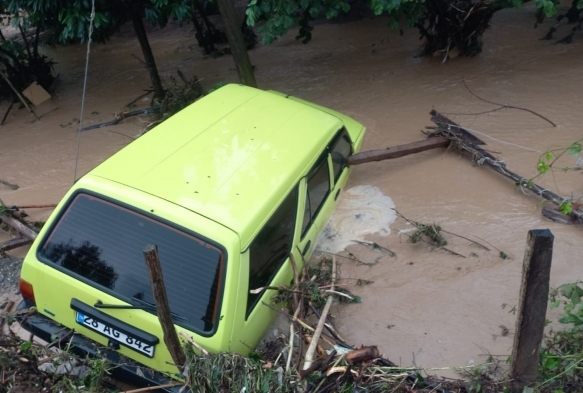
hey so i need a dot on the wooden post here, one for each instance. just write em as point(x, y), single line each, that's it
point(162, 307)
point(236, 42)
point(534, 294)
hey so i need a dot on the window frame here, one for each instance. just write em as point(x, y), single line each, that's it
point(250, 308)
point(342, 132)
point(322, 159)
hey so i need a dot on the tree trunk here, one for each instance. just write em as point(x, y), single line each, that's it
point(148, 56)
point(236, 42)
point(36, 38)
point(26, 46)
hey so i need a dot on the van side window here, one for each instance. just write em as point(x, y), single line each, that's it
point(340, 149)
point(318, 188)
point(271, 246)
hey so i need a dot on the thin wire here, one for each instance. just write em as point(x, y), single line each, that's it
point(501, 141)
point(84, 88)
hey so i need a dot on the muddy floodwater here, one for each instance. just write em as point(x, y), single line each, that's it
point(424, 307)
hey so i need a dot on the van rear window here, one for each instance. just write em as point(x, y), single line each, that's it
point(102, 242)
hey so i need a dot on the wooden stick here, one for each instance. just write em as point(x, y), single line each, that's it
point(530, 324)
point(163, 309)
point(15, 243)
point(50, 205)
point(13, 186)
point(18, 94)
point(397, 151)
point(19, 226)
point(320, 326)
point(196, 345)
point(7, 112)
point(149, 388)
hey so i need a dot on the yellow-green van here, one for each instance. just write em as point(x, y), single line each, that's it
point(226, 189)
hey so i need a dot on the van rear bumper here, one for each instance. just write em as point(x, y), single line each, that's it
point(126, 370)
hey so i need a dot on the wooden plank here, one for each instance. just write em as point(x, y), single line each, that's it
point(15, 243)
point(532, 308)
point(162, 307)
point(397, 151)
point(19, 226)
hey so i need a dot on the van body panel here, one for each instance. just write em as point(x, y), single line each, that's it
point(264, 142)
point(218, 171)
point(55, 302)
point(355, 129)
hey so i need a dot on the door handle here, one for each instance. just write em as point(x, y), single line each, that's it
point(307, 247)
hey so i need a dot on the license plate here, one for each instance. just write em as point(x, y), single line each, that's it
point(114, 334)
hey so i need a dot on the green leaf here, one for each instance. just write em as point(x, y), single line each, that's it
point(549, 156)
point(555, 304)
point(25, 345)
point(542, 167)
point(550, 9)
point(566, 207)
point(580, 4)
point(552, 363)
point(575, 148)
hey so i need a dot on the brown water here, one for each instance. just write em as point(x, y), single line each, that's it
point(442, 310)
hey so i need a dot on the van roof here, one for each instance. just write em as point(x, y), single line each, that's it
point(232, 156)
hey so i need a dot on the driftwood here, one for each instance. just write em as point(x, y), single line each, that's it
point(364, 354)
point(464, 141)
point(13, 186)
point(123, 115)
point(50, 205)
point(397, 151)
point(557, 216)
point(19, 226)
point(14, 243)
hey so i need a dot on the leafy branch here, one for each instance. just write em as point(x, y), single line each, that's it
point(547, 161)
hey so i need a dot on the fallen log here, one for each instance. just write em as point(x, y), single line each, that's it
point(463, 140)
point(14, 243)
point(557, 216)
point(19, 226)
point(398, 151)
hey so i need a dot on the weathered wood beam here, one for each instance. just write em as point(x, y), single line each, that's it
point(532, 309)
point(14, 243)
point(19, 226)
point(397, 151)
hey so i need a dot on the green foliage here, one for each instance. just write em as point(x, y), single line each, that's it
point(548, 8)
point(546, 163)
point(280, 16)
point(69, 19)
point(562, 354)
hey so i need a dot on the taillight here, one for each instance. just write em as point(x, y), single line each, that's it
point(26, 290)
